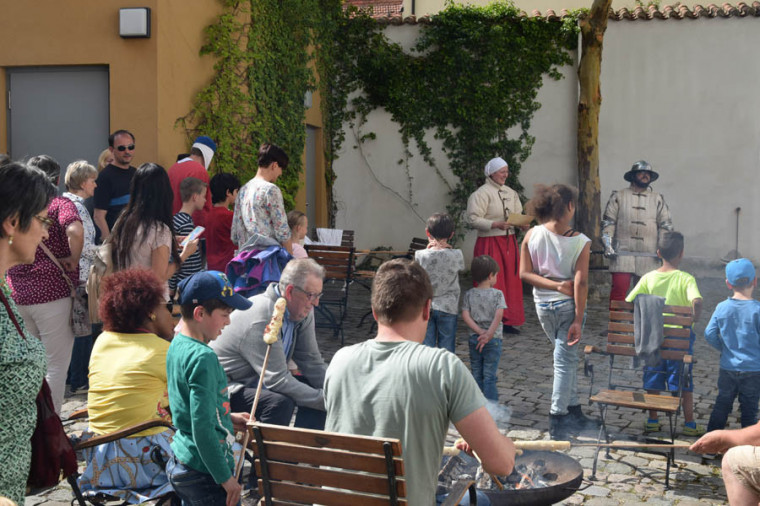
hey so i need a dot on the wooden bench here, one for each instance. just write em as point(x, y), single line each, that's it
point(338, 262)
point(301, 466)
point(625, 390)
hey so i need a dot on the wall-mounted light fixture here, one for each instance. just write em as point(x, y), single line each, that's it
point(134, 22)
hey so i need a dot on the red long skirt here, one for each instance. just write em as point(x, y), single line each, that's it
point(504, 250)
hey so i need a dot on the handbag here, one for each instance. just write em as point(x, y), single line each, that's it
point(80, 314)
point(52, 452)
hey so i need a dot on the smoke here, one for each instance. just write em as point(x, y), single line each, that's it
point(500, 413)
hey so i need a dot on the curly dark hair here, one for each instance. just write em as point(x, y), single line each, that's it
point(128, 298)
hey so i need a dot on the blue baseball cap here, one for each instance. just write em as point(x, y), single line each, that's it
point(207, 285)
point(740, 269)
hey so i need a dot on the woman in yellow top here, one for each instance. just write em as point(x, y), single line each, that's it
point(128, 386)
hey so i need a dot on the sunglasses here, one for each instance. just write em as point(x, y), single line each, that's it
point(131, 147)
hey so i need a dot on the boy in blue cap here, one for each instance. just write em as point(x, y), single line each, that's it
point(201, 470)
point(734, 330)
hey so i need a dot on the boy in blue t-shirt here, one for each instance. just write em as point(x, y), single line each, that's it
point(679, 288)
point(734, 330)
point(202, 468)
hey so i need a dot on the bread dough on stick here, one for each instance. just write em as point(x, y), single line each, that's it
point(272, 331)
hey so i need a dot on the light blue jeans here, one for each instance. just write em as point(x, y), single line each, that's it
point(556, 318)
point(441, 330)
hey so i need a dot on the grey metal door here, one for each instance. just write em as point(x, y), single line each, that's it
point(58, 111)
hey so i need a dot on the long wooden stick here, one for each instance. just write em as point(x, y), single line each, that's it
point(261, 382)
point(246, 437)
point(635, 445)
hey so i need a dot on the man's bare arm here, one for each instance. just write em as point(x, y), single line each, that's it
point(497, 452)
point(99, 217)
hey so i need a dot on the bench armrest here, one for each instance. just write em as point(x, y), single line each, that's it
point(593, 349)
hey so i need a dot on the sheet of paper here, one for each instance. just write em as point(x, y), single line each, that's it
point(519, 220)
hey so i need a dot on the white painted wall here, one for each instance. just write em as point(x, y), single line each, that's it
point(683, 96)
point(680, 94)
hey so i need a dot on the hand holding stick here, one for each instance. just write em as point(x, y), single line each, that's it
point(271, 333)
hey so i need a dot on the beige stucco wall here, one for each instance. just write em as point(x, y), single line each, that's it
point(681, 94)
point(83, 32)
point(152, 82)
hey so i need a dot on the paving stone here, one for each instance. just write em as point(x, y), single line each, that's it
point(599, 501)
point(596, 491)
point(635, 461)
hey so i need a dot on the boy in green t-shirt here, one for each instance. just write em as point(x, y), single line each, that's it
point(679, 289)
point(201, 470)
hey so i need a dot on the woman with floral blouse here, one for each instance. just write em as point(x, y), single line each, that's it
point(259, 209)
point(80, 185)
point(24, 196)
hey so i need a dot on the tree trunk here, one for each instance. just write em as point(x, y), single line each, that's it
point(589, 215)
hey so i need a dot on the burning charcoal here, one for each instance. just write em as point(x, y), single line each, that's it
point(483, 480)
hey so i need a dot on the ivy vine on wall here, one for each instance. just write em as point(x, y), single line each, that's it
point(472, 78)
point(265, 60)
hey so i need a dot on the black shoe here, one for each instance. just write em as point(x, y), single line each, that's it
point(509, 329)
point(559, 427)
point(580, 421)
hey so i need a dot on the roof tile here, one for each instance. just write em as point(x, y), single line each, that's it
point(390, 12)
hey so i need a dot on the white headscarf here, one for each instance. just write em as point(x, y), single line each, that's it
point(495, 165)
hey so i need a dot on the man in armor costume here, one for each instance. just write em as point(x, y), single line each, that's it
point(631, 226)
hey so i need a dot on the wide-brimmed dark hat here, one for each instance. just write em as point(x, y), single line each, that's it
point(639, 166)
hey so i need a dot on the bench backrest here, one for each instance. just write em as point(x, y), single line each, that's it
point(338, 261)
point(318, 467)
point(417, 244)
point(677, 328)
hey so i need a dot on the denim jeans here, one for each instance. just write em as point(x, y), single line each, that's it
point(194, 487)
point(441, 330)
point(730, 384)
point(556, 318)
point(485, 365)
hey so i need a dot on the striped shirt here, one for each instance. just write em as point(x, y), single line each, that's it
point(183, 225)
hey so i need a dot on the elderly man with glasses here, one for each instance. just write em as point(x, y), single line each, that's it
point(112, 192)
point(241, 349)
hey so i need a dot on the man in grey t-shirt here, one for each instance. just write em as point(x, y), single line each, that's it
point(393, 386)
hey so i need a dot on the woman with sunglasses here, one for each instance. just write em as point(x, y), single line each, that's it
point(128, 386)
point(24, 196)
point(42, 290)
point(488, 209)
point(143, 236)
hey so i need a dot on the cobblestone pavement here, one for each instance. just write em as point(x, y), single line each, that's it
point(525, 384)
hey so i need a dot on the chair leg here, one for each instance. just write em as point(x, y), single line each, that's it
point(602, 431)
point(72, 479)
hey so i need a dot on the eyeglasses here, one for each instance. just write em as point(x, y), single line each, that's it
point(313, 297)
point(46, 222)
point(131, 147)
point(170, 306)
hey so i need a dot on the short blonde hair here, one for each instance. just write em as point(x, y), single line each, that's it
point(77, 173)
point(102, 159)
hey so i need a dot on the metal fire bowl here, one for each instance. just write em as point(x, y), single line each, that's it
point(569, 477)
